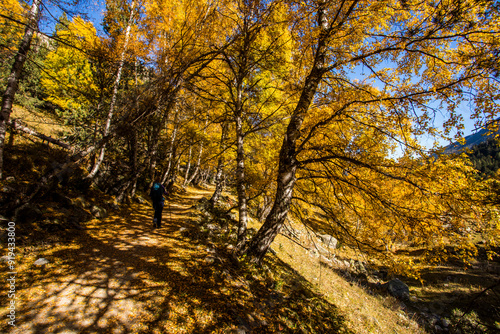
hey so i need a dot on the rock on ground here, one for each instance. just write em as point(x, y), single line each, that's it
point(41, 261)
point(398, 289)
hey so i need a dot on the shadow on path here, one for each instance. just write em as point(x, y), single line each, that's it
point(121, 276)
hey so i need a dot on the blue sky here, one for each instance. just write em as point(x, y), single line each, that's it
point(465, 109)
point(91, 10)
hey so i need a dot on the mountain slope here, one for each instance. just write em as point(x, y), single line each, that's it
point(471, 141)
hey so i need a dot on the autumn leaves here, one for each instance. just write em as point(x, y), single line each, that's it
point(267, 96)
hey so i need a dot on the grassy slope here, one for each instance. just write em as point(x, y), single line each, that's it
point(365, 311)
point(39, 121)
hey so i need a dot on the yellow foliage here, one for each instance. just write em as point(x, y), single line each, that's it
point(11, 24)
point(68, 78)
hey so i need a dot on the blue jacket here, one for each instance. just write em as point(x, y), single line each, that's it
point(156, 193)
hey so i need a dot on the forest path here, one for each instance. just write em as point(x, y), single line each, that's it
point(119, 275)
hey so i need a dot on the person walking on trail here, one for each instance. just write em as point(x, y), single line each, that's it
point(156, 193)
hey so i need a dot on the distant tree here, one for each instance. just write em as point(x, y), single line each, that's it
point(12, 24)
point(486, 157)
point(68, 76)
point(11, 31)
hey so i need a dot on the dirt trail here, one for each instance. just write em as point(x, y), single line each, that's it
point(121, 276)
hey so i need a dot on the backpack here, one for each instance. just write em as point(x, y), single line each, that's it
point(156, 192)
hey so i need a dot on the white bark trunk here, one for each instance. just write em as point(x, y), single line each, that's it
point(15, 74)
point(116, 85)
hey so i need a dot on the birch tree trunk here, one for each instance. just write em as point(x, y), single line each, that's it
point(200, 152)
point(265, 208)
point(218, 184)
point(188, 165)
point(134, 161)
point(288, 163)
point(197, 166)
point(15, 74)
point(220, 168)
point(116, 84)
point(241, 185)
point(171, 155)
point(173, 175)
point(153, 149)
point(134, 143)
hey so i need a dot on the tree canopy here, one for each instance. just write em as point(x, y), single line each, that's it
point(308, 110)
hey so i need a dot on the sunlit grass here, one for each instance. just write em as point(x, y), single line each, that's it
point(365, 312)
point(39, 121)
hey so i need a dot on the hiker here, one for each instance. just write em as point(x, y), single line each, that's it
point(156, 193)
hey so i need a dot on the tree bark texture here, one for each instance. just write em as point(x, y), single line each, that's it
point(218, 183)
point(288, 163)
point(171, 154)
point(134, 161)
point(116, 84)
point(188, 167)
point(197, 166)
point(241, 185)
point(15, 74)
point(219, 176)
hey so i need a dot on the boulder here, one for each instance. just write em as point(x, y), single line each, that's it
point(398, 289)
point(337, 263)
point(328, 240)
point(321, 250)
point(210, 259)
point(325, 259)
point(233, 216)
point(41, 262)
point(360, 268)
point(212, 227)
point(113, 205)
point(81, 202)
point(203, 204)
point(140, 199)
point(98, 212)
point(313, 252)
point(242, 330)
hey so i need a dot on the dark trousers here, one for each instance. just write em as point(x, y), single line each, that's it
point(158, 207)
